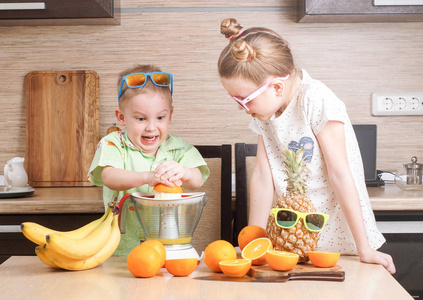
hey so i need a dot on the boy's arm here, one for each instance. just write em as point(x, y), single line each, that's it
point(261, 188)
point(122, 180)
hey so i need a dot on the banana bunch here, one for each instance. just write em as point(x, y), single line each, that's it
point(80, 249)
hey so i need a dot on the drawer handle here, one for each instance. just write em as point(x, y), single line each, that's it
point(10, 228)
point(23, 6)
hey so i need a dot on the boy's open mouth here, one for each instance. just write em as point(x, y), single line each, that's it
point(150, 139)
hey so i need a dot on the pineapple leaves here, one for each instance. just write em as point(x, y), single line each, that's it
point(296, 170)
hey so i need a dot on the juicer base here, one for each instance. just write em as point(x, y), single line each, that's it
point(172, 253)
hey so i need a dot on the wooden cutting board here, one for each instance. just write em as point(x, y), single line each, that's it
point(266, 271)
point(62, 129)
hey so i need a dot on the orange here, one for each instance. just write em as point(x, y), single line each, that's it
point(281, 260)
point(167, 189)
point(181, 266)
point(235, 267)
point(323, 259)
point(156, 244)
point(217, 251)
point(144, 261)
point(250, 233)
point(256, 251)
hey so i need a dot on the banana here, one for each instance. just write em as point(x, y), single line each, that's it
point(39, 250)
point(37, 233)
point(85, 247)
point(97, 259)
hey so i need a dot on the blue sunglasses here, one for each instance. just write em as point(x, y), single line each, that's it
point(137, 80)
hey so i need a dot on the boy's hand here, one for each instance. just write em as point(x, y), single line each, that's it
point(153, 180)
point(172, 173)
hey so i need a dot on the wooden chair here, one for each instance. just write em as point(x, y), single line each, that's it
point(219, 206)
point(243, 154)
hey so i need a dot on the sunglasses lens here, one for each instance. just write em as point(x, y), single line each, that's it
point(161, 78)
point(315, 221)
point(286, 218)
point(135, 80)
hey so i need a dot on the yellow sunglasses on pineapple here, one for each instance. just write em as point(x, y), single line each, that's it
point(288, 218)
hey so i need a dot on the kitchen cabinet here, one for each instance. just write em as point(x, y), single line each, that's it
point(344, 11)
point(403, 231)
point(53, 12)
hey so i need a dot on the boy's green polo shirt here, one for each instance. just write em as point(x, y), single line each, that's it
point(116, 150)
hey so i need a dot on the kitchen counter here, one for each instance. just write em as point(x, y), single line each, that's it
point(89, 199)
point(391, 197)
point(25, 277)
point(56, 200)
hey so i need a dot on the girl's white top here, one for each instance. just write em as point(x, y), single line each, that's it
point(311, 108)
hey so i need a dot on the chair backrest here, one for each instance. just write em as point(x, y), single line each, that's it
point(218, 207)
point(245, 155)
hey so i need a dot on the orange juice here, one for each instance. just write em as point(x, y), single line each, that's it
point(185, 240)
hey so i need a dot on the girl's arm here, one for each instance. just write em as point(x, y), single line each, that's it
point(261, 188)
point(122, 180)
point(332, 143)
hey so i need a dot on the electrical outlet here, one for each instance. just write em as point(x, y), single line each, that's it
point(384, 104)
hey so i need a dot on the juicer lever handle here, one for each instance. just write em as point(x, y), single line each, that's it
point(122, 214)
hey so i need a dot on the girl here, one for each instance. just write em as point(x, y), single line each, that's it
point(290, 110)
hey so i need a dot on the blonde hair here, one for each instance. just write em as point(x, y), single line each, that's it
point(254, 54)
point(129, 93)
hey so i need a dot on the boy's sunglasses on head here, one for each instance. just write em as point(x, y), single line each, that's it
point(137, 80)
point(257, 93)
point(288, 218)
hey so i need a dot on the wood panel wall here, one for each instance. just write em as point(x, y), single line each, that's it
point(183, 38)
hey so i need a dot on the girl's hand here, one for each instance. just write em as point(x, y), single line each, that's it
point(372, 256)
point(172, 173)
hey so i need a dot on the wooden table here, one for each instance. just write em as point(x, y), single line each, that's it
point(25, 277)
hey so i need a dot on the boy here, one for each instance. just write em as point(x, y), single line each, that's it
point(145, 154)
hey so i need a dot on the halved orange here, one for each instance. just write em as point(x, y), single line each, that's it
point(217, 251)
point(235, 267)
point(162, 188)
point(250, 233)
point(323, 259)
point(281, 260)
point(181, 266)
point(256, 250)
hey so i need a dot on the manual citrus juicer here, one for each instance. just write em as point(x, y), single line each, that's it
point(171, 221)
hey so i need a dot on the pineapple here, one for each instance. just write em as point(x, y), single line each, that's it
point(297, 239)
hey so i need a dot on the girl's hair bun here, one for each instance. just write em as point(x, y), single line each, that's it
point(242, 51)
point(230, 27)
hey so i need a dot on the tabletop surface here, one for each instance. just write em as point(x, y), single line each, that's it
point(25, 277)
